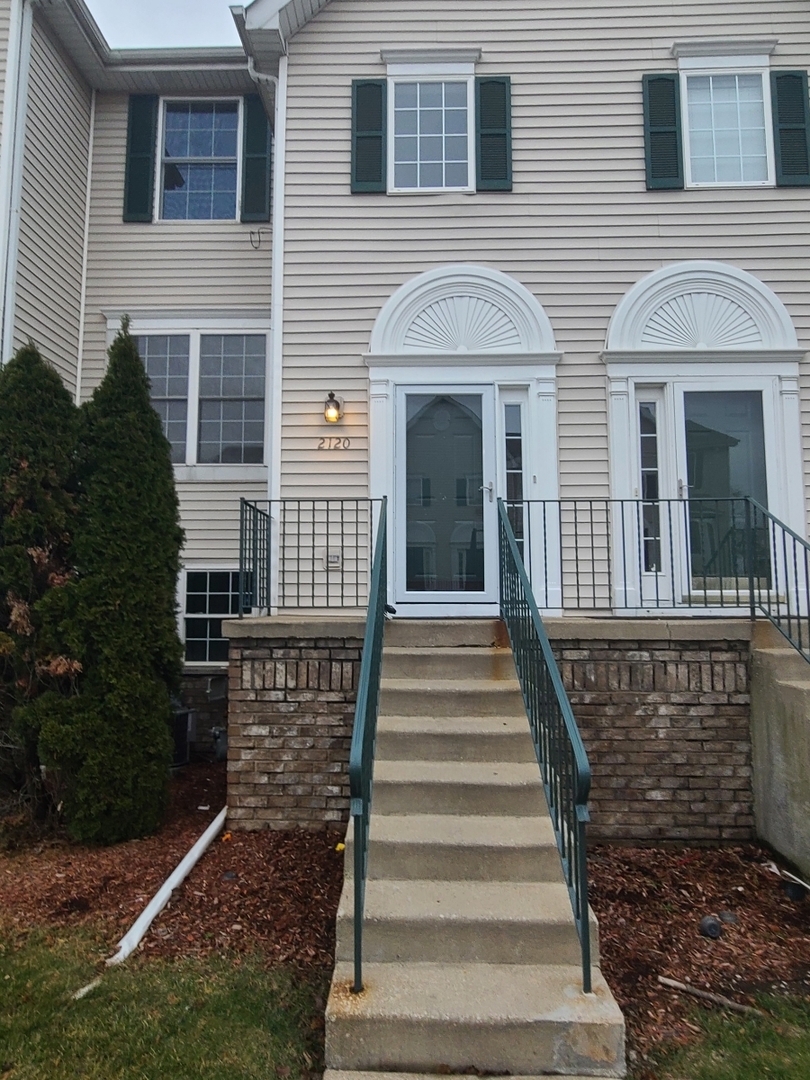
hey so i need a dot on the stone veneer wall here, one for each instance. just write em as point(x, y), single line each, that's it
point(291, 696)
point(664, 711)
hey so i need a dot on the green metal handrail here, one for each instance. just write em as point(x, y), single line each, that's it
point(364, 735)
point(558, 744)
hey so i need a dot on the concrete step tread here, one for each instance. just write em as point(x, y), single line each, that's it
point(445, 633)
point(450, 650)
point(458, 830)
point(473, 994)
point(348, 1074)
point(454, 725)
point(432, 685)
point(532, 903)
point(506, 773)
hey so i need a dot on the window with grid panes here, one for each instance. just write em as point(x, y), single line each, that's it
point(166, 359)
point(231, 426)
point(199, 163)
point(211, 596)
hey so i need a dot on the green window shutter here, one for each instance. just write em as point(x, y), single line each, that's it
point(790, 128)
point(255, 161)
point(493, 133)
point(139, 178)
point(369, 138)
point(663, 148)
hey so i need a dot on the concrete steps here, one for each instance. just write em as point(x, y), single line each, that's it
point(471, 957)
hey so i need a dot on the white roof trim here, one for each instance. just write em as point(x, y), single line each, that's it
point(724, 46)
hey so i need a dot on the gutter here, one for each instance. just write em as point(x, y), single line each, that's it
point(85, 247)
point(15, 107)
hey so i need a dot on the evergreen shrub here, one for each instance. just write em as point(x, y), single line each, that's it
point(38, 426)
point(112, 743)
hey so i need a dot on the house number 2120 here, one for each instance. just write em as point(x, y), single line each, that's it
point(334, 444)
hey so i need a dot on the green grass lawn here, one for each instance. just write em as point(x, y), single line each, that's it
point(151, 1019)
point(735, 1047)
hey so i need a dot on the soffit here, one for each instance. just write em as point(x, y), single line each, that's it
point(159, 71)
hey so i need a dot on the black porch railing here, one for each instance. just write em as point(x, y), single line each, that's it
point(306, 553)
point(622, 556)
point(364, 736)
point(558, 744)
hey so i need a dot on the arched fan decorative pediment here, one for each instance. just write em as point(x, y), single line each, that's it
point(459, 310)
point(700, 305)
point(701, 320)
point(462, 324)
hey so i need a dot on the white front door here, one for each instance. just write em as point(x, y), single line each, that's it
point(445, 512)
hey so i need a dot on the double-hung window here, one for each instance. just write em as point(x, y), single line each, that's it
point(431, 126)
point(197, 159)
point(208, 387)
point(199, 168)
point(726, 121)
point(431, 136)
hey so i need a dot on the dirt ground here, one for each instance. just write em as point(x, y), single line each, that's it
point(277, 893)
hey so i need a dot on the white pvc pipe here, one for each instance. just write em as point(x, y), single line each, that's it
point(133, 937)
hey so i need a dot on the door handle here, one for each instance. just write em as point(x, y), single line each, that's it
point(488, 487)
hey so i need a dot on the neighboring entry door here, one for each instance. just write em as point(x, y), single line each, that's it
point(445, 520)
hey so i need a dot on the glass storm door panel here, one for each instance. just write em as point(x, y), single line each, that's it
point(725, 462)
point(448, 497)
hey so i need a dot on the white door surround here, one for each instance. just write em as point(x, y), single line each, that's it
point(703, 326)
point(461, 326)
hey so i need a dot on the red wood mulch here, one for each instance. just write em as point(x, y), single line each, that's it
point(277, 893)
point(272, 891)
point(650, 902)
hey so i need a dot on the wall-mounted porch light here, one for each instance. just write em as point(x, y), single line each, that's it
point(333, 409)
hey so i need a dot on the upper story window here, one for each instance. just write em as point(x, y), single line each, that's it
point(433, 149)
point(200, 162)
point(197, 160)
point(726, 120)
point(431, 126)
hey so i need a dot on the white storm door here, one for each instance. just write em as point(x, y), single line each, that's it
point(445, 520)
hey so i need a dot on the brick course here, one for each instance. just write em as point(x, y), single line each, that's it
point(667, 728)
point(290, 715)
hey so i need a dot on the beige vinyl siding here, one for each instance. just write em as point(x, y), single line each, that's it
point(5, 25)
point(578, 230)
point(179, 267)
point(209, 514)
point(52, 209)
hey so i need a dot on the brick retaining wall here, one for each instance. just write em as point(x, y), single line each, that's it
point(290, 712)
point(667, 728)
point(665, 720)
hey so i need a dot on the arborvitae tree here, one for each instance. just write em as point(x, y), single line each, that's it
point(112, 743)
point(38, 423)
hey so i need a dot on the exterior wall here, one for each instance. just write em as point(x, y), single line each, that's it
point(578, 230)
point(290, 714)
point(666, 724)
point(52, 211)
point(780, 734)
point(5, 24)
point(171, 268)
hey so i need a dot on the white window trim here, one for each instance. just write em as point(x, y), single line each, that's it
point(194, 328)
point(462, 71)
point(754, 64)
point(157, 216)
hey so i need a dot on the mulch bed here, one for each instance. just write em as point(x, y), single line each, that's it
point(277, 893)
point(650, 902)
point(274, 892)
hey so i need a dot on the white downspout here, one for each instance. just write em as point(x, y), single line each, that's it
point(85, 246)
point(15, 102)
